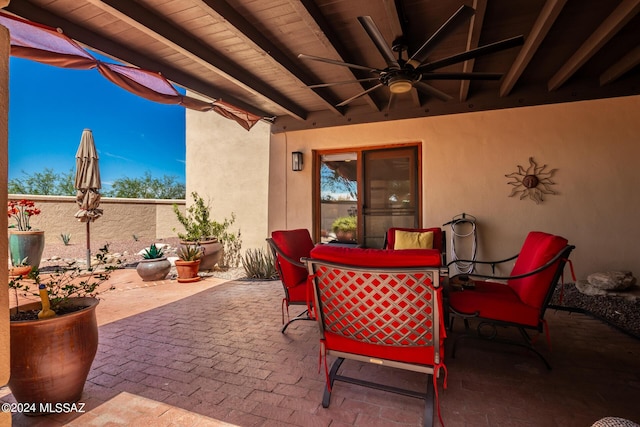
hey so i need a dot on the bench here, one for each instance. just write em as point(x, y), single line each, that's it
point(382, 307)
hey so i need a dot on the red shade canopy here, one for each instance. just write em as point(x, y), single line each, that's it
point(47, 45)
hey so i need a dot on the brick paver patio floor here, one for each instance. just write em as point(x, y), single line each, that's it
point(214, 356)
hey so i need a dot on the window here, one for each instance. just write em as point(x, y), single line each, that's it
point(361, 193)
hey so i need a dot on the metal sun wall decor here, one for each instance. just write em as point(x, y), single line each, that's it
point(532, 182)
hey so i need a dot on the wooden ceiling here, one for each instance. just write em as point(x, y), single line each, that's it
point(246, 51)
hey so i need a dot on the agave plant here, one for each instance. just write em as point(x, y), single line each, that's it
point(190, 252)
point(153, 252)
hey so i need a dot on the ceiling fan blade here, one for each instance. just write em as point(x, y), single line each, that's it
point(473, 53)
point(346, 101)
point(462, 76)
point(432, 91)
point(343, 64)
point(457, 19)
point(342, 83)
point(376, 36)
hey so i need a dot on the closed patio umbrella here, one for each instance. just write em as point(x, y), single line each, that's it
point(87, 184)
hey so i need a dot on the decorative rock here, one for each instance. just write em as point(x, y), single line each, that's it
point(612, 280)
point(586, 288)
point(630, 294)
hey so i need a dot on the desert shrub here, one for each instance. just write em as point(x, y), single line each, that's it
point(259, 264)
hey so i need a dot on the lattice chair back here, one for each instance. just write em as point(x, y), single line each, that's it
point(380, 307)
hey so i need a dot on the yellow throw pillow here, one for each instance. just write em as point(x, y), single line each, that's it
point(413, 240)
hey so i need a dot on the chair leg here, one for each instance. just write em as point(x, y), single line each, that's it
point(428, 403)
point(302, 316)
point(492, 335)
point(326, 397)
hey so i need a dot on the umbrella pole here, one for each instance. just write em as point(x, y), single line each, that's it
point(88, 248)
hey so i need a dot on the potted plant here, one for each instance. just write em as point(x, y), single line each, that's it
point(202, 230)
point(24, 242)
point(20, 269)
point(154, 265)
point(345, 228)
point(188, 264)
point(53, 342)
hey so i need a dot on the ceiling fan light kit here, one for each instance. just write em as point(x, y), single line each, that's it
point(400, 84)
point(402, 75)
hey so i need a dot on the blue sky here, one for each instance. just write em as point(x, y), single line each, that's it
point(50, 106)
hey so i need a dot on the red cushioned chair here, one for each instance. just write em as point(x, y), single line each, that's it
point(521, 301)
point(382, 307)
point(288, 247)
point(439, 239)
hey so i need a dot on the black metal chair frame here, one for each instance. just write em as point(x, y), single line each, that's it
point(562, 256)
point(305, 315)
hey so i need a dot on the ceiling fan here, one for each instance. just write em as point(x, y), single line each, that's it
point(403, 74)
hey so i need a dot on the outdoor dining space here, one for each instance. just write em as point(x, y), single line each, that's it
point(212, 353)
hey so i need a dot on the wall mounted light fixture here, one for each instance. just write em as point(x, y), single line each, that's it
point(296, 161)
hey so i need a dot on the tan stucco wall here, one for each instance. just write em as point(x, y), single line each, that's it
point(121, 220)
point(5, 418)
point(594, 145)
point(229, 166)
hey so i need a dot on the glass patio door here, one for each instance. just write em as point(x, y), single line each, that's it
point(391, 198)
point(363, 192)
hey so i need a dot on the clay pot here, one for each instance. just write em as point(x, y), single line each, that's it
point(51, 358)
point(211, 253)
point(153, 269)
point(22, 270)
point(187, 271)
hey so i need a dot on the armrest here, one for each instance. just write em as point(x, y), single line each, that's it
point(277, 250)
point(492, 263)
point(549, 263)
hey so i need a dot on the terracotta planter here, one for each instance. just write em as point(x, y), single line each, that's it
point(153, 269)
point(345, 235)
point(211, 253)
point(22, 270)
point(51, 358)
point(187, 271)
point(26, 244)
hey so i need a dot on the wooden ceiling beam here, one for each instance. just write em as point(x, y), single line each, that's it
point(609, 27)
point(250, 33)
point(160, 29)
point(318, 20)
point(546, 18)
point(473, 40)
point(114, 49)
point(626, 63)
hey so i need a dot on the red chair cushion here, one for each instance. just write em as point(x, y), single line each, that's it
point(423, 355)
point(295, 244)
point(377, 257)
point(494, 301)
point(437, 236)
point(537, 250)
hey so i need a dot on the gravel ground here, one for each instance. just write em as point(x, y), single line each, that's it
point(57, 253)
point(619, 312)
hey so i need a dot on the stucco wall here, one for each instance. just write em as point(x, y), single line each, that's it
point(594, 145)
point(5, 418)
point(229, 167)
point(122, 218)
